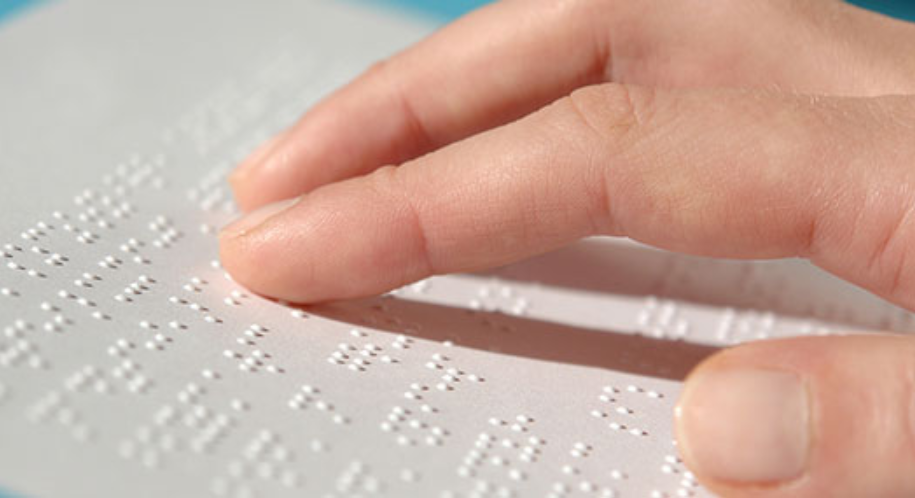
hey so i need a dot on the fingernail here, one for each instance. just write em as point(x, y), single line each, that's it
point(256, 218)
point(745, 425)
point(256, 158)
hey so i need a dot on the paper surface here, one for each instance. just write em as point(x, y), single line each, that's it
point(131, 366)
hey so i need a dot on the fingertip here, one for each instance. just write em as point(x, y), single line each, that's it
point(253, 261)
point(243, 251)
point(246, 191)
point(744, 426)
point(341, 241)
point(238, 182)
point(247, 181)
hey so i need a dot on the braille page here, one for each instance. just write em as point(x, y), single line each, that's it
point(131, 365)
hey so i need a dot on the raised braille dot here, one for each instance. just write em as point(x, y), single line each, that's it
point(569, 470)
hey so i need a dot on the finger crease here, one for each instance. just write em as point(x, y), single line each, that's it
point(412, 122)
point(418, 227)
point(881, 250)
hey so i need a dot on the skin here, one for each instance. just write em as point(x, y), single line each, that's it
point(732, 129)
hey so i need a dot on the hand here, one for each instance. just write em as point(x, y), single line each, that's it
point(731, 128)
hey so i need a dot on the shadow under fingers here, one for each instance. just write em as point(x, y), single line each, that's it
point(522, 336)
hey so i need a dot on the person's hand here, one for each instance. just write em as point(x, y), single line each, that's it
point(731, 128)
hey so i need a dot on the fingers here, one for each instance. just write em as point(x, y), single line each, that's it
point(826, 416)
point(512, 57)
point(717, 173)
point(493, 66)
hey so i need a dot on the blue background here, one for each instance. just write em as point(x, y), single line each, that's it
point(448, 9)
point(899, 8)
point(10, 7)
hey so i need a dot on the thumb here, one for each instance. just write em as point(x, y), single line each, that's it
point(824, 416)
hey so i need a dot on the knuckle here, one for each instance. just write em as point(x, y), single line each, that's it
point(616, 118)
point(888, 261)
point(612, 111)
point(868, 222)
point(908, 407)
point(384, 185)
point(390, 186)
point(379, 70)
point(385, 74)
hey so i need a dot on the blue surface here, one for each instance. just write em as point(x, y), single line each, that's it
point(904, 9)
point(8, 8)
point(442, 10)
point(450, 9)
